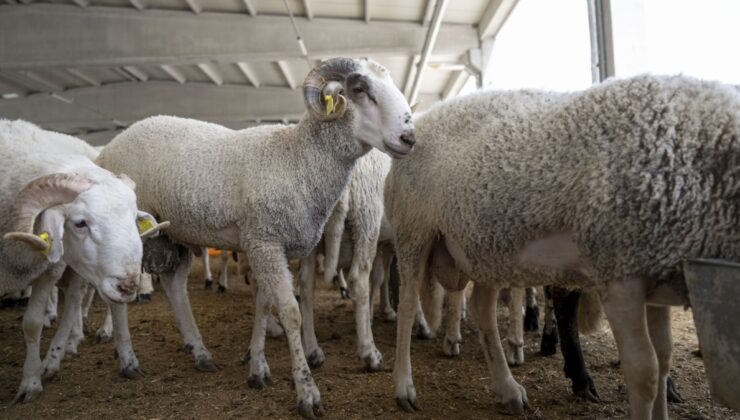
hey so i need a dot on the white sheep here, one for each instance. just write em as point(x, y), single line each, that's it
point(288, 179)
point(611, 187)
point(59, 209)
point(223, 278)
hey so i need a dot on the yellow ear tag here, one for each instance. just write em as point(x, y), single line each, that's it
point(144, 225)
point(329, 104)
point(45, 237)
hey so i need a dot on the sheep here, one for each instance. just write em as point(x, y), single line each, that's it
point(85, 219)
point(608, 188)
point(289, 179)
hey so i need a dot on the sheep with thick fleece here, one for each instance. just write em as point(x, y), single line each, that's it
point(62, 214)
point(277, 186)
point(613, 186)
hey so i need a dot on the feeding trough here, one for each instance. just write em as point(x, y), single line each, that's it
point(714, 287)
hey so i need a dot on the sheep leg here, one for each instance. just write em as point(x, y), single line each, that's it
point(453, 337)
point(259, 371)
point(207, 269)
point(566, 312)
point(310, 344)
point(223, 279)
point(146, 288)
point(659, 327)
point(515, 332)
point(532, 312)
point(389, 314)
point(50, 314)
point(423, 331)
point(70, 314)
point(359, 273)
point(75, 335)
point(333, 238)
point(33, 323)
point(127, 361)
point(625, 309)
point(270, 269)
point(548, 344)
point(508, 394)
point(87, 300)
point(105, 332)
point(175, 287)
point(376, 281)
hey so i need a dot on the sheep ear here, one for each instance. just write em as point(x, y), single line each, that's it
point(51, 228)
point(148, 226)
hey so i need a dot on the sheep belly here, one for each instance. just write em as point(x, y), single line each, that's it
point(557, 251)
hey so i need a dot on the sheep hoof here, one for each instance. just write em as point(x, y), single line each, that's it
point(209, 284)
point(49, 321)
point(344, 292)
point(373, 361)
point(548, 345)
point(424, 333)
point(672, 393)
point(29, 392)
point(131, 372)
point(514, 407)
point(408, 404)
point(451, 347)
point(514, 353)
point(316, 359)
point(206, 365)
point(309, 410)
point(102, 336)
point(50, 374)
point(532, 319)
point(588, 393)
point(145, 298)
point(221, 289)
point(259, 382)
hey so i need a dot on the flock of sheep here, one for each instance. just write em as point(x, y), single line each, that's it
point(606, 191)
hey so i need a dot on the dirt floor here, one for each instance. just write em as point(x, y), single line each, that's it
point(89, 386)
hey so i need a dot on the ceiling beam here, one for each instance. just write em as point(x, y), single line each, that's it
point(118, 36)
point(138, 4)
point(212, 72)
point(410, 75)
point(195, 6)
point(137, 73)
point(428, 12)
point(26, 1)
point(33, 80)
point(494, 17)
point(455, 83)
point(80, 74)
point(174, 73)
point(130, 102)
point(249, 73)
point(287, 74)
point(11, 1)
point(82, 3)
point(429, 41)
point(367, 11)
point(307, 8)
point(250, 8)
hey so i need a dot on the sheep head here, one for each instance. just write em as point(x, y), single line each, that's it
point(92, 226)
point(382, 116)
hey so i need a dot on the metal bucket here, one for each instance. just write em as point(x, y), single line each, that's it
point(714, 291)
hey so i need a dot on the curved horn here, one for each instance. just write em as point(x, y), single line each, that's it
point(335, 69)
point(39, 195)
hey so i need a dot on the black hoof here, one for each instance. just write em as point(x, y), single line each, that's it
point(209, 284)
point(221, 289)
point(672, 394)
point(532, 319)
point(587, 391)
point(408, 405)
point(23, 302)
point(206, 365)
point(145, 298)
point(246, 280)
point(310, 411)
point(344, 292)
point(423, 334)
point(335, 279)
point(548, 345)
point(131, 373)
point(316, 359)
point(258, 382)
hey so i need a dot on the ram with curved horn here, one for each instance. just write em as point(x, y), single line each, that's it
point(57, 210)
point(288, 179)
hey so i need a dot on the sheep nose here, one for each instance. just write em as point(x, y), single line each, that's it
point(127, 286)
point(408, 138)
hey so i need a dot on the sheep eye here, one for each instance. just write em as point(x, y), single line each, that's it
point(358, 90)
point(81, 224)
